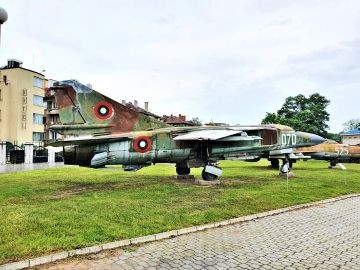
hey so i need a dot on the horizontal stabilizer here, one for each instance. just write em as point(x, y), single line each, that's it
point(60, 128)
point(89, 140)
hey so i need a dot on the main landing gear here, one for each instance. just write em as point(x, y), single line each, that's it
point(209, 173)
point(274, 163)
point(208, 176)
point(182, 170)
point(332, 164)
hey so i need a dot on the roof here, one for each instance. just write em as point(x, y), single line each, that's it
point(176, 120)
point(4, 68)
point(355, 131)
point(140, 110)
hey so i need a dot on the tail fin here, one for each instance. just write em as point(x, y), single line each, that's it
point(83, 110)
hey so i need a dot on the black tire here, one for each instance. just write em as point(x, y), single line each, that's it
point(290, 164)
point(274, 163)
point(333, 163)
point(182, 171)
point(208, 176)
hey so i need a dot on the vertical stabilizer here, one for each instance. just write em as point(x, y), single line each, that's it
point(83, 110)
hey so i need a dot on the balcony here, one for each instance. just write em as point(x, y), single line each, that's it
point(50, 123)
point(52, 111)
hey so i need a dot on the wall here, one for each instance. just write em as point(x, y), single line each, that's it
point(351, 139)
point(16, 123)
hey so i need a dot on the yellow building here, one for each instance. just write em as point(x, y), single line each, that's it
point(21, 104)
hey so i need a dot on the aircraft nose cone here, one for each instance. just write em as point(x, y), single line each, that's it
point(316, 139)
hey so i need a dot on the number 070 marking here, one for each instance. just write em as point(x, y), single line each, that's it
point(288, 139)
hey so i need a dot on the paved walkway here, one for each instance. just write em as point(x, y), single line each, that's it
point(321, 237)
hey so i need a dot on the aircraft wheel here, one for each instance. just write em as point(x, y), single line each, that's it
point(332, 163)
point(208, 176)
point(182, 171)
point(274, 163)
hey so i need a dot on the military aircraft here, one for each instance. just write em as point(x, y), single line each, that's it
point(329, 150)
point(333, 152)
point(106, 132)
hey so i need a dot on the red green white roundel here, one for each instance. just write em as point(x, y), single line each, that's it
point(142, 144)
point(103, 110)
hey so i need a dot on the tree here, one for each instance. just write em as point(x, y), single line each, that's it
point(196, 121)
point(334, 136)
point(352, 124)
point(302, 113)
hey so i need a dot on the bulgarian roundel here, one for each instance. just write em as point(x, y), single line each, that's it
point(103, 110)
point(142, 144)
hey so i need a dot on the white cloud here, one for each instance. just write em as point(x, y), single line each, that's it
point(229, 61)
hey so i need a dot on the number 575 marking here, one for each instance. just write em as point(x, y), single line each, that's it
point(342, 151)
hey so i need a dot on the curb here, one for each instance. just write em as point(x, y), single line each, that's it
point(164, 235)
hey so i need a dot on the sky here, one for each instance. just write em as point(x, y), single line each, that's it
point(222, 61)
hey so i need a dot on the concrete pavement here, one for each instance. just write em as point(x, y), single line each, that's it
point(325, 236)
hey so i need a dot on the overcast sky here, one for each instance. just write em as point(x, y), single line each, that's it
point(226, 61)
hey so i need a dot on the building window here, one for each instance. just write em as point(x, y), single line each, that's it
point(49, 105)
point(38, 101)
point(54, 119)
point(38, 136)
point(53, 135)
point(38, 82)
point(38, 118)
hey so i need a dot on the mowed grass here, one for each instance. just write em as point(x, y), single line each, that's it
point(52, 210)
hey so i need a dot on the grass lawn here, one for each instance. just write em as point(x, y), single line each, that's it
point(61, 209)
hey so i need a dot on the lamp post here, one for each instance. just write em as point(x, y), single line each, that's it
point(3, 18)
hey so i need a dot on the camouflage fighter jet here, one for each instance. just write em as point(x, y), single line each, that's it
point(329, 150)
point(106, 132)
point(333, 152)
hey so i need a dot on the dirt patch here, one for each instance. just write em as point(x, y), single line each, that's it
point(76, 189)
point(70, 189)
point(84, 262)
point(240, 181)
point(90, 261)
